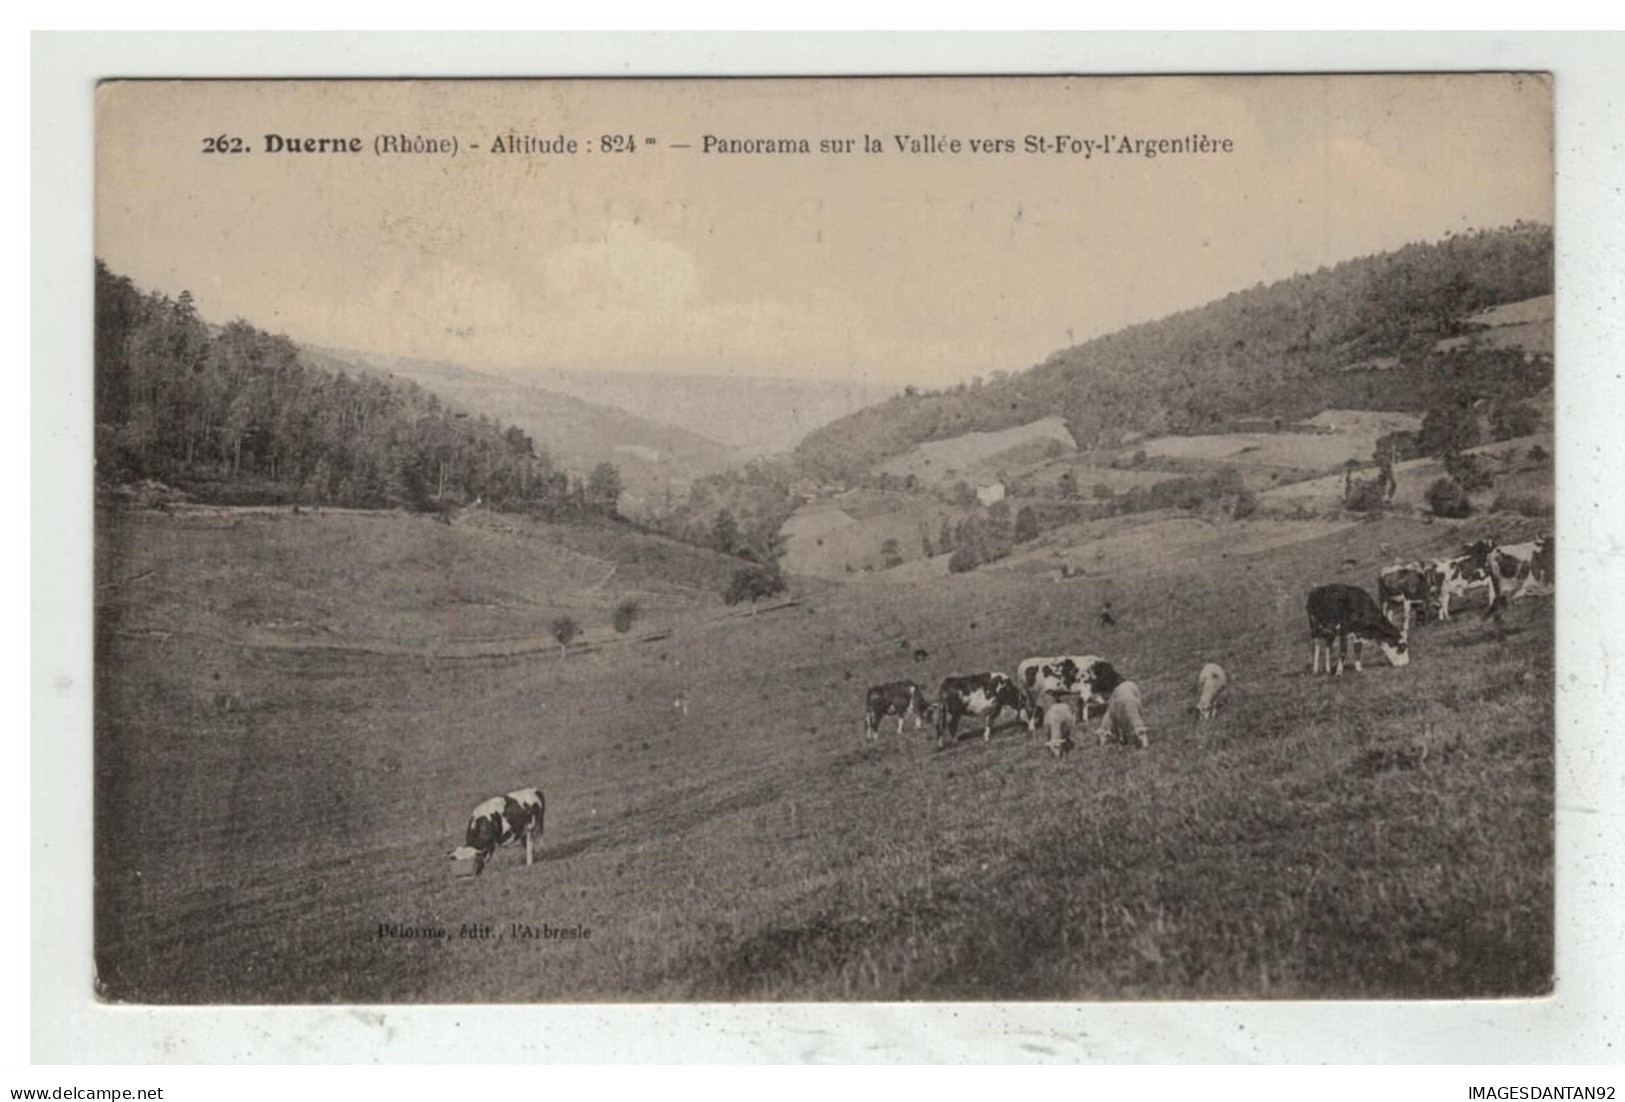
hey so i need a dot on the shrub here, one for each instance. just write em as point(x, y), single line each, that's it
point(1366, 496)
point(1447, 499)
point(626, 614)
point(962, 561)
point(1538, 454)
point(1468, 471)
point(1528, 505)
point(1246, 505)
point(1511, 419)
point(565, 629)
point(752, 583)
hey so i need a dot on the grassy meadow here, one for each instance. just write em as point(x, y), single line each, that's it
point(296, 713)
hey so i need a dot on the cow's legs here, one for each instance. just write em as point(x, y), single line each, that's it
point(1359, 649)
point(530, 847)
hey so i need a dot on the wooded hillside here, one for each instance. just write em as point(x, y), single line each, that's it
point(236, 415)
point(1278, 351)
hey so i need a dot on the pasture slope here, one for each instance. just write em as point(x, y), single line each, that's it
point(266, 804)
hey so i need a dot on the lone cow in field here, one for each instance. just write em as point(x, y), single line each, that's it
point(502, 821)
point(1338, 613)
point(1211, 683)
point(903, 699)
point(977, 694)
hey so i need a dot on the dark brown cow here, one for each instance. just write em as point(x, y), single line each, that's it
point(1338, 613)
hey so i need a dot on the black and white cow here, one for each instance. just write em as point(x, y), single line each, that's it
point(1406, 586)
point(1338, 613)
point(1065, 675)
point(1530, 567)
point(976, 694)
point(1457, 577)
point(902, 699)
point(502, 821)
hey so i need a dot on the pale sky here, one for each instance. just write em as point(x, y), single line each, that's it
point(890, 267)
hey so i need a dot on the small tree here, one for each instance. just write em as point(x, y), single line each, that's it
point(1446, 430)
point(564, 630)
point(962, 561)
point(752, 583)
point(1447, 499)
point(604, 488)
point(724, 532)
point(626, 614)
point(1246, 505)
point(891, 554)
point(1367, 496)
point(1467, 471)
point(1512, 419)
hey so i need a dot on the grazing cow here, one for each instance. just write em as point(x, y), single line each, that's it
point(977, 694)
point(1123, 718)
point(1058, 722)
point(1461, 575)
point(1530, 564)
point(895, 698)
point(1408, 584)
point(1210, 685)
point(502, 821)
point(1338, 613)
point(1066, 675)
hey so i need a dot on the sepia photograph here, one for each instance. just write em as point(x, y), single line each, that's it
point(806, 540)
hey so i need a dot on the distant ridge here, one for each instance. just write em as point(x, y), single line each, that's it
point(755, 415)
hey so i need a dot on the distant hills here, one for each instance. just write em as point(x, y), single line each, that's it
point(653, 457)
point(662, 432)
point(753, 415)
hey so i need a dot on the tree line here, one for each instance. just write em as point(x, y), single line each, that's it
point(233, 414)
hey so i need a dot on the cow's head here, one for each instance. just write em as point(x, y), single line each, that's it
point(1005, 692)
point(469, 853)
point(1102, 678)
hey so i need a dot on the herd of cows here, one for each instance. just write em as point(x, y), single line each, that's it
point(1064, 693)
